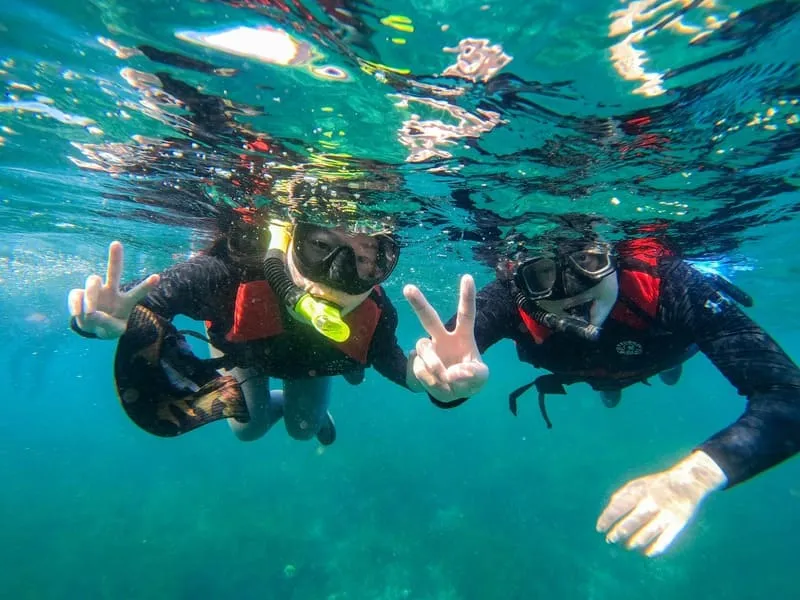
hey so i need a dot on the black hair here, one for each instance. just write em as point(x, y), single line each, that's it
point(240, 238)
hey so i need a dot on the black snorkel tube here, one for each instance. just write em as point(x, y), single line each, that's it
point(562, 324)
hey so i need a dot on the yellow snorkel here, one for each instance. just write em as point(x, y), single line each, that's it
point(323, 316)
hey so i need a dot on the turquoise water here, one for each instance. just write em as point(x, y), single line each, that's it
point(697, 141)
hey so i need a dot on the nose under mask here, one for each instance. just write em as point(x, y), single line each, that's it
point(341, 265)
point(346, 302)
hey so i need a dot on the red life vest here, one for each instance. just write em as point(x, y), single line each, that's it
point(639, 285)
point(257, 315)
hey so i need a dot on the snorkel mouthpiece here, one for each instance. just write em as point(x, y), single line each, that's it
point(564, 324)
point(571, 325)
point(323, 316)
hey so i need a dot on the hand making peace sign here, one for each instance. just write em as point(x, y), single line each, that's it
point(101, 308)
point(448, 364)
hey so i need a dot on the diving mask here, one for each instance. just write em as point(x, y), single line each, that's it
point(323, 316)
point(566, 274)
point(569, 290)
point(352, 263)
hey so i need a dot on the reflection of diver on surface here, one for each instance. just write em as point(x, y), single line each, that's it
point(349, 17)
point(221, 158)
point(167, 57)
point(749, 29)
point(349, 26)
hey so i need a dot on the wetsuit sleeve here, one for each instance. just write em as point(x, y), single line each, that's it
point(769, 430)
point(385, 354)
point(201, 288)
point(496, 316)
point(164, 388)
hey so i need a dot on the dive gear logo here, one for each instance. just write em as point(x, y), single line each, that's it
point(716, 303)
point(629, 348)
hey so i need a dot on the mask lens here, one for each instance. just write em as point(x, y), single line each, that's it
point(352, 263)
point(377, 264)
point(314, 245)
point(539, 276)
point(593, 263)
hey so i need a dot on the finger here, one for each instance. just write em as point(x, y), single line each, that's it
point(422, 374)
point(139, 292)
point(466, 304)
point(114, 272)
point(466, 385)
point(75, 302)
point(91, 294)
point(665, 540)
point(648, 533)
point(427, 354)
point(462, 371)
point(621, 503)
point(473, 373)
point(632, 522)
point(103, 326)
point(425, 312)
point(435, 387)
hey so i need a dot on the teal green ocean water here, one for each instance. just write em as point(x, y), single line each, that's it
point(668, 117)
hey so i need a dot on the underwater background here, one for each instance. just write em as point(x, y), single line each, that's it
point(468, 123)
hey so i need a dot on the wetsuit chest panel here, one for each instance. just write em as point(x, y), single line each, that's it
point(622, 352)
point(299, 352)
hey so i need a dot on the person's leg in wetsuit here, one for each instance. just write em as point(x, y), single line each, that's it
point(303, 403)
point(265, 406)
point(671, 376)
point(305, 409)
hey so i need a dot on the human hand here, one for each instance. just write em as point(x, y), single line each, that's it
point(101, 308)
point(448, 364)
point(649, 512)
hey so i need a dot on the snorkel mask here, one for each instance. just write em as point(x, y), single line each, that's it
point(570, 289)
point(352, 263)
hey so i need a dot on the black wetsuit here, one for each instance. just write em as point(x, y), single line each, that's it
point(204, 288)
point(690, 311)
point(168, 391)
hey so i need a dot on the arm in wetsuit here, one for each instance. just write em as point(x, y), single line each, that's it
point(769, 430)
point(163, 387)
point(202, 288)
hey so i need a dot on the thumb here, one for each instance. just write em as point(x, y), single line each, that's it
point(139, 292)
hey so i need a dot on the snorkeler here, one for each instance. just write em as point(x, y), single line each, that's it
point(612, 316)
point(312, 309)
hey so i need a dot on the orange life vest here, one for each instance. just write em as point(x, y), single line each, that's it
point(257, 315)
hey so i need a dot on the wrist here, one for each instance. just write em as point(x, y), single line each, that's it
point(702, 469)
point(73, 324)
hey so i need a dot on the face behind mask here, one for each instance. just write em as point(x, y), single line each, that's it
point(352, 263)
point(346, 302)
